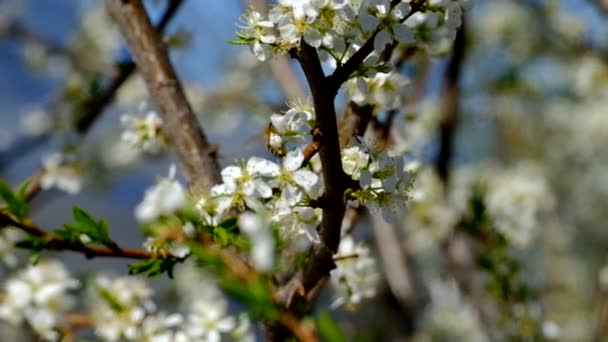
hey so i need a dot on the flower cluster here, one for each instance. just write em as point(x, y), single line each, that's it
point(123, 310)
point(145, 133)
point(62, 171)
point(383, 90)
point(516, 199)
point(355, 277)
point(39, 296)
point(340, 28)
point(285, 189)
point(384, 180)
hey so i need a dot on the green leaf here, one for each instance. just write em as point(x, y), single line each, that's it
point(32, 242)
point(328, 327)
point(153, 267)
point(230, 224)
point(97, 231)
point(16, 205)
point(22, 190)
point(109, 298)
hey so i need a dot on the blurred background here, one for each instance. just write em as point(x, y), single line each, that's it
point(523, 103)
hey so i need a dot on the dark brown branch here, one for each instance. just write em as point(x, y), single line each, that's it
point(196, 154)
point(450, 106)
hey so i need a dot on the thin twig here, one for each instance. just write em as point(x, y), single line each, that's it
point(90, 251)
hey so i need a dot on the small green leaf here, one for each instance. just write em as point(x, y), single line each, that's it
point(109, 298)
point(328, 328)
point(97, 231)
point(35, 257)
point(241, 41)
point(22, 190)
point(32, 242)
point(153, 267)
point(16, 205)
point(229, 224)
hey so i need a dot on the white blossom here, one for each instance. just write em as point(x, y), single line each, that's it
point(62, 171)
point(36, 122)
point(354, 159)
point(208, 321)
point(164, 198)
point(383, 89)
point(145, 133)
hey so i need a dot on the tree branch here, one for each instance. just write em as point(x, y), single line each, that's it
point(449, 120)
point(196, 154)
point(88, 250)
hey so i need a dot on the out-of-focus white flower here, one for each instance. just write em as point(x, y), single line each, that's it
point(516, 198)
point(38, 295)
point(551, 330)
point(145, 133)
point(160, 327)
point(8, 237)
point(119, 305)
point(164, 198)
point(449, 315)
point(430, 219)
point(62, 171)
point(35, 122)
point(243, 332)
point(355, 277)
point(119, 153)
point(258, 230)
point(208, 321)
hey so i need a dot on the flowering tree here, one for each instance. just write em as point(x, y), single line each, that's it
point(346, 227)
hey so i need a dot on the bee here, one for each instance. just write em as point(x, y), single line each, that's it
point(270, 132)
